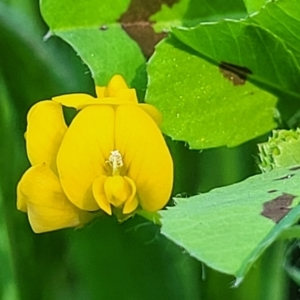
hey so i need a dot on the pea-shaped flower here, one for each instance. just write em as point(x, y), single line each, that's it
point(112, 158)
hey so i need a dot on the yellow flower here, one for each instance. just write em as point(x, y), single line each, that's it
point(112, 158)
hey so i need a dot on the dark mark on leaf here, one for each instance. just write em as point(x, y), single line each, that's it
point(135, 21)
point(272, 191)
point(295, 168)
point(236, 74)
point(277, 208)
point(103, 27)
point(285, 177)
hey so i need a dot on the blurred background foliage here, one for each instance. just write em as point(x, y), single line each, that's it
point(105, 260)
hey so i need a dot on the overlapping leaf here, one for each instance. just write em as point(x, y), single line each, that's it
point(282, 18)
point(103, 34)
point(228, 228)
point(253, 6)
point(201, 106)
point(190, 13)
point(265, 56)
point(91, 28)
point(262, 48)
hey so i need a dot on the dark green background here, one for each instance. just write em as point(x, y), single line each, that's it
point(105, 260)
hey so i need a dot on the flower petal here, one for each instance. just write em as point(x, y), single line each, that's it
point(145, 155)
point(75, 100)
point(47, 206)
point(132, 202)
point(101, 91)
point(153, 112)
point(115, 190)
point(127, 96)
point(118, 190)
point(21, 202)
point(116, 83)
point(84, 153)
point(99, 194)
point(118, 88)
point(45, 131)
point(105, 101)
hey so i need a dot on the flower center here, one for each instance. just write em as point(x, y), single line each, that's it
point(115, 192)
point(115, 161)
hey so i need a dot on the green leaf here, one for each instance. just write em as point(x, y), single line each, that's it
point(266, 56)
point(229, 227)
point(69, 14)
point(254, 5)
point(282, 18)
point(91, 28)
point(190, 13)
point(202, 107)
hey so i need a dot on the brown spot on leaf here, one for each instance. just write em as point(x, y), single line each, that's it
point(277, 208)
point(285, 177)
point(135, 21)
point(236, 74)
point(295, 168)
